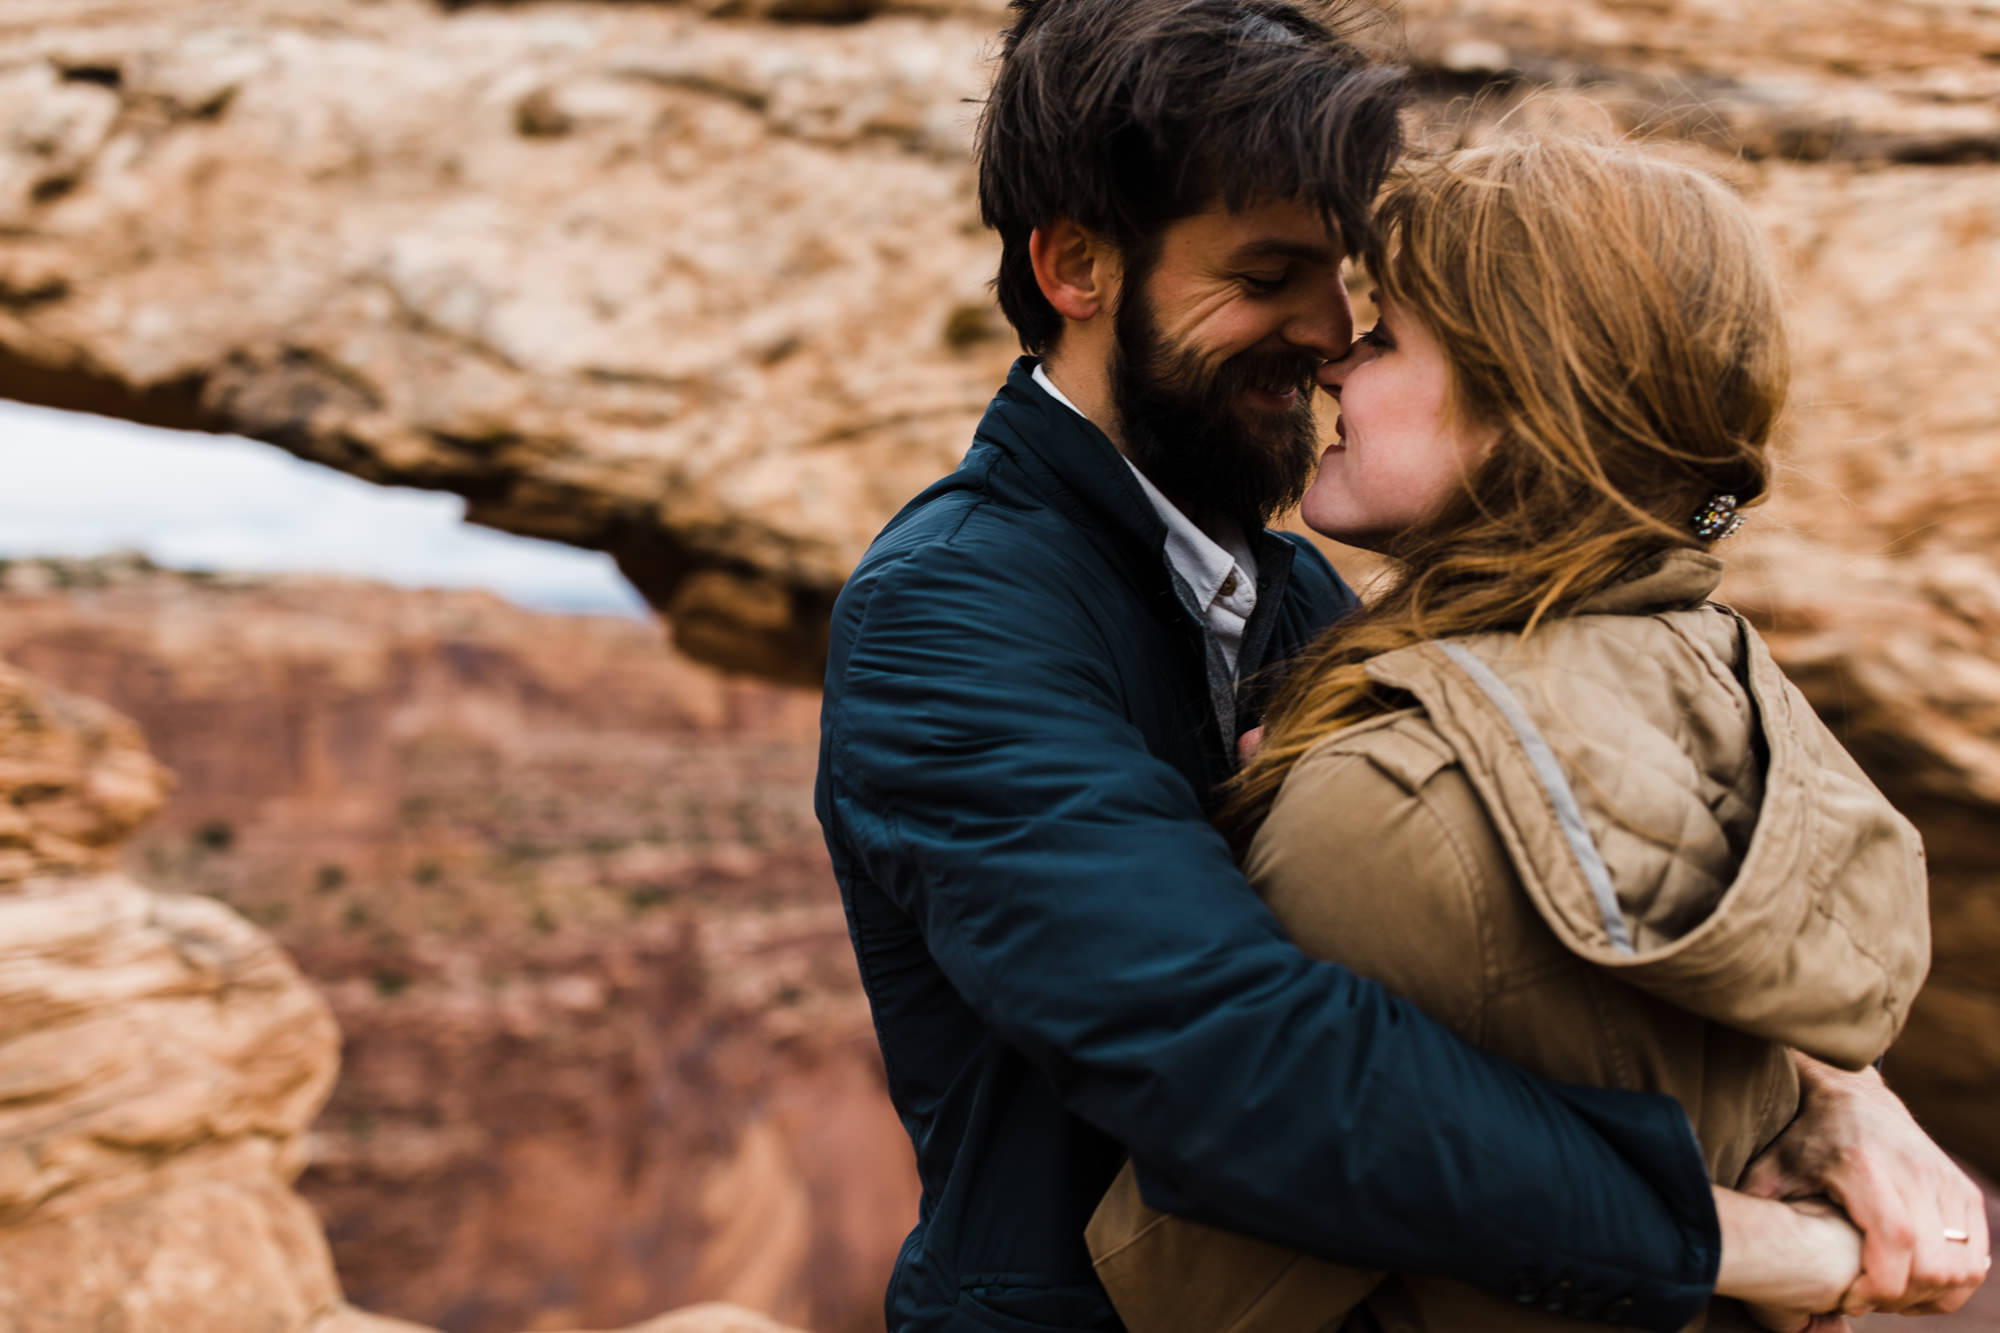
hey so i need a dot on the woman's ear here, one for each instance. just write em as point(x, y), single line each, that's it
point(1077, 271)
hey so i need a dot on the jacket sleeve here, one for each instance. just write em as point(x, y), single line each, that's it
point(1067, 882)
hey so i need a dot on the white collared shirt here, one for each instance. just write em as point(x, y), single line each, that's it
point(1219, 569)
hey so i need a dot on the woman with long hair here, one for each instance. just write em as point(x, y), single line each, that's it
point(1542, 786)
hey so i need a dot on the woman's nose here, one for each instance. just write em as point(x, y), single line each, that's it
point(1332, 374)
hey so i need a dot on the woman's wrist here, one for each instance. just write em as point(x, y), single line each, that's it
point(1798, 1256)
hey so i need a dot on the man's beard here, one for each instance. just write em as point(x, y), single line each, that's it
point(1186, 429)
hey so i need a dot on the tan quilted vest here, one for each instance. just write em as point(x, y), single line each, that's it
point(1624, 852)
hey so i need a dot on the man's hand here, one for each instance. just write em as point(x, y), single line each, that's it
point(1855, 1143)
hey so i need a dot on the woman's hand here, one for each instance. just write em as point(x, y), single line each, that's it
point(1787, 1262)
point(1248, 744)
point(1855, 1142)
point(1791, 1321)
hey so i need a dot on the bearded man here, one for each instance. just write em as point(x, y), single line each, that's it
point(1040, 673)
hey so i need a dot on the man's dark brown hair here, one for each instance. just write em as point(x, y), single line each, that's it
point(1126, 115)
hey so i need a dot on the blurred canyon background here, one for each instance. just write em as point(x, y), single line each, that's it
point(467, 955)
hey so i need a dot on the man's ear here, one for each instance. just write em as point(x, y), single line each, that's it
point(1078, 272)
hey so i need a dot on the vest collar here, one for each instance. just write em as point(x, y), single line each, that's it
point(1676, 578)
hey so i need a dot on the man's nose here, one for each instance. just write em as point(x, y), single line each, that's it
point(1324, 323)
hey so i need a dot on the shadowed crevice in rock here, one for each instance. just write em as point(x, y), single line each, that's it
point(175, 405)
point(725, 611)
point(729, 615)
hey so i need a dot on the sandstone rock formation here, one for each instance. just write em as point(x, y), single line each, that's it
point(709, 294)
point(587, 1074)
point(604, 1049)
point(607, 1123)
point(77, 779)
point(286, 696)
point(595, 305)
point(703, 286)
point(161, 1060)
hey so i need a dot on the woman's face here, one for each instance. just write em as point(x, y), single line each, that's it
point(1401, 453)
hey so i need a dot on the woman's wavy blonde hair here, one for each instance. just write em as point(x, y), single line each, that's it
point(1615, 318)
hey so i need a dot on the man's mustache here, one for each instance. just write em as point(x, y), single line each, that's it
point(1271, 372)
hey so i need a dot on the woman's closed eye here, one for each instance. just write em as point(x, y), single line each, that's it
point(1377, 338)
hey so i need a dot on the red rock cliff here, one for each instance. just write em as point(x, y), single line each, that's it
point(604, 1052)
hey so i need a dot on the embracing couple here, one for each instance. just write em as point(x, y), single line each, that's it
point(1507, 952)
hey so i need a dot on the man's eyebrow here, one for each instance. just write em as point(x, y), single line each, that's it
point(1275, 248)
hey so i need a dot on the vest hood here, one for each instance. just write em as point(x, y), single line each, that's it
point(1682, 818)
